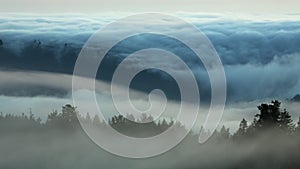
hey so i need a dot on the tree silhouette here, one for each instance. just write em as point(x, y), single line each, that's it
point(224, 133)
point(69, 116)
point(263, 151)
point(253, 127)
point(269, 114)
point(67, 119)
point(285, 121)
point(272, 117)
point(243, 126)
point(52, 118)
point(242, 131)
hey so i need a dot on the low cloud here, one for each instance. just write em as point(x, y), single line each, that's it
point(260, 55)
point(42, 104)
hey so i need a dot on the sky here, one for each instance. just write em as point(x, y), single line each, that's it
point(97, 6)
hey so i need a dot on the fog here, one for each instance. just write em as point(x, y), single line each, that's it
point(59, 149)
point(261, 59)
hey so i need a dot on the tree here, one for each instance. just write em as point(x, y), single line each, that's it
point(224, 133)
point(1, 43)
point(269, 114)
point(241, 132)
point(66, 119)
point(285, 121)
point(69, 114)
point(243, 126)
point(53, 119)
point(252, 129)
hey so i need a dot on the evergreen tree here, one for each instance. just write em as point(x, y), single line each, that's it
point(53, 119)
point(243, 126)
point(269, 114)
point(224, 133)
point(69, 114)
point(241, 132)
point(285, 121)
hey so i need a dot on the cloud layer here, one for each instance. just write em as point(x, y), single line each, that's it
point(260, 56)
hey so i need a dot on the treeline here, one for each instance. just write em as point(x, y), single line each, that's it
point(270, 117)
point(271, 140)
point(68, 120)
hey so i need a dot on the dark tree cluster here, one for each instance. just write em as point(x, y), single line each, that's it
point(60, 138)
point(270, 117)
point(142, 127)
point(68, 120)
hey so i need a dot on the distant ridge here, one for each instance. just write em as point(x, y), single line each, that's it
point(296, 98)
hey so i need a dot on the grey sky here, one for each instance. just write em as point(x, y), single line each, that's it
point(96, 6)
